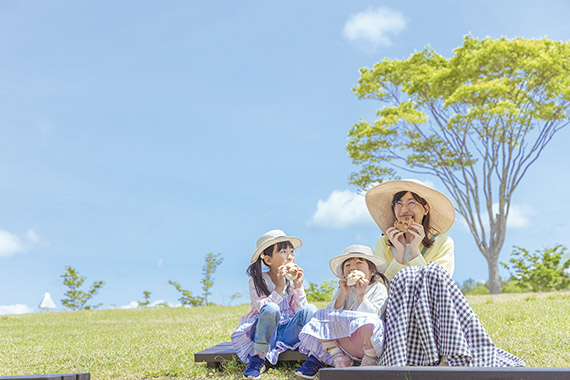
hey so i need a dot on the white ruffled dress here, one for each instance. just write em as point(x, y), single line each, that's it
point(332, 324)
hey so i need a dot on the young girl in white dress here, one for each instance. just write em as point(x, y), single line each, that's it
point(350, 328)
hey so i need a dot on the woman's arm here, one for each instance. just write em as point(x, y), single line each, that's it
point(442, 252)
point(383, 250)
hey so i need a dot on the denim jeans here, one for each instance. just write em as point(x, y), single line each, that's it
point(267, 330)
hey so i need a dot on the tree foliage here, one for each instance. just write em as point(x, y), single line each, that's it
point(540, 271)
point(186, 297)
point(77, 298)
point(323, 292)
point(477, 121)
point(211, 263)
point(146, 297)
point(473, 287)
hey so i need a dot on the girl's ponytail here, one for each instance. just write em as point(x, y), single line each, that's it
point(378, 276)
point(254, 271)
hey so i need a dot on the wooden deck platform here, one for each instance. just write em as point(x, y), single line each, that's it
point(214, 356)
point(445, 373)
point(63, 376)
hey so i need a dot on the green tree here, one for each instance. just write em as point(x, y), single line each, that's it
point(146, 297)
point(540, 271)
point(77, 298)
point(211, 263)
point(468, 285)
point(477, 121)
point(186, 298)
point(323, 292)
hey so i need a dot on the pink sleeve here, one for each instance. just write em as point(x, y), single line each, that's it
point(257, 301)
point(298, 300)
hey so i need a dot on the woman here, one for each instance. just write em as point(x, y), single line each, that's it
point(428, 320)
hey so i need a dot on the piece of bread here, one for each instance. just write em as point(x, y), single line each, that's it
point(292, 271)
point(353, 277)
point(403, 223)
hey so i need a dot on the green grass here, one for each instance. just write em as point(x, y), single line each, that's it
point(159, 343)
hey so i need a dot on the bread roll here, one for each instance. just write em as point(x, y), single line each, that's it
point(353, 277)
point(403, 223)
point(292, 271)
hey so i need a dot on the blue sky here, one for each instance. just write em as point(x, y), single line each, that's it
point(136, 137)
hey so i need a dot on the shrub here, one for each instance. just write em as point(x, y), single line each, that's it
point(479, 290)
point(324, 292)
point(540, 271)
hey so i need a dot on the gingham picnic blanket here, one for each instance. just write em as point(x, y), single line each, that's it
point(427, 316)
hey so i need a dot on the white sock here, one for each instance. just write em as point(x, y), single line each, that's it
point(370, 352)
point(333, 350)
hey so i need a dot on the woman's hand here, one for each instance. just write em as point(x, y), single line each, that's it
point(360, 288)
point(398, 241)
point(417, 233)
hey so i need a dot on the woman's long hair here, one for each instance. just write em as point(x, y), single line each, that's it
point(255, 271)
point(425, 221)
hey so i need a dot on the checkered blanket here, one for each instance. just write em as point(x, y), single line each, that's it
point(427, 316)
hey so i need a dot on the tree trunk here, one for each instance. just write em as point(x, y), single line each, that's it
point(494, 280)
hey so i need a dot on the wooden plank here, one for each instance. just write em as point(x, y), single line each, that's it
point(64, 376)
point(225, 351)
point(445, 373)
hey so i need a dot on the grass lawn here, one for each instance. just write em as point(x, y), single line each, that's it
point(159, 343)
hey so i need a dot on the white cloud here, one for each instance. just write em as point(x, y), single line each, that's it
point(15, 309)
point(374, 26)
point(135, 304)
point(32, 237)
point(11, 244)
point(130, 305)
point(341, 210)
point(519, 216)
point(160, 262)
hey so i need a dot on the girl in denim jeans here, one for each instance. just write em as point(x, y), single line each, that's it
point(279, 307)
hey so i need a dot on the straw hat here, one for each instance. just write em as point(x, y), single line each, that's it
point(379, 199)
point(273, 237)
point(356, 251)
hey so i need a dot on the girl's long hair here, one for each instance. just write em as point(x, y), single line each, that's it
point(425, 222)
point(255, 271)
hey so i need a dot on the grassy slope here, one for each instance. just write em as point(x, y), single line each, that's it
point(160, 343)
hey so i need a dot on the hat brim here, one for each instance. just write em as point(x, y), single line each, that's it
point(379, 199)
point(294, 240)
point(336, 262)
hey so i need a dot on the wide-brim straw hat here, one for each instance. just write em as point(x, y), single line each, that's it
point(356, 251)
point(379, 203)
point(273, 237)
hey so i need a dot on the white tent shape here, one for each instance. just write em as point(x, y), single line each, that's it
point(47, 303)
